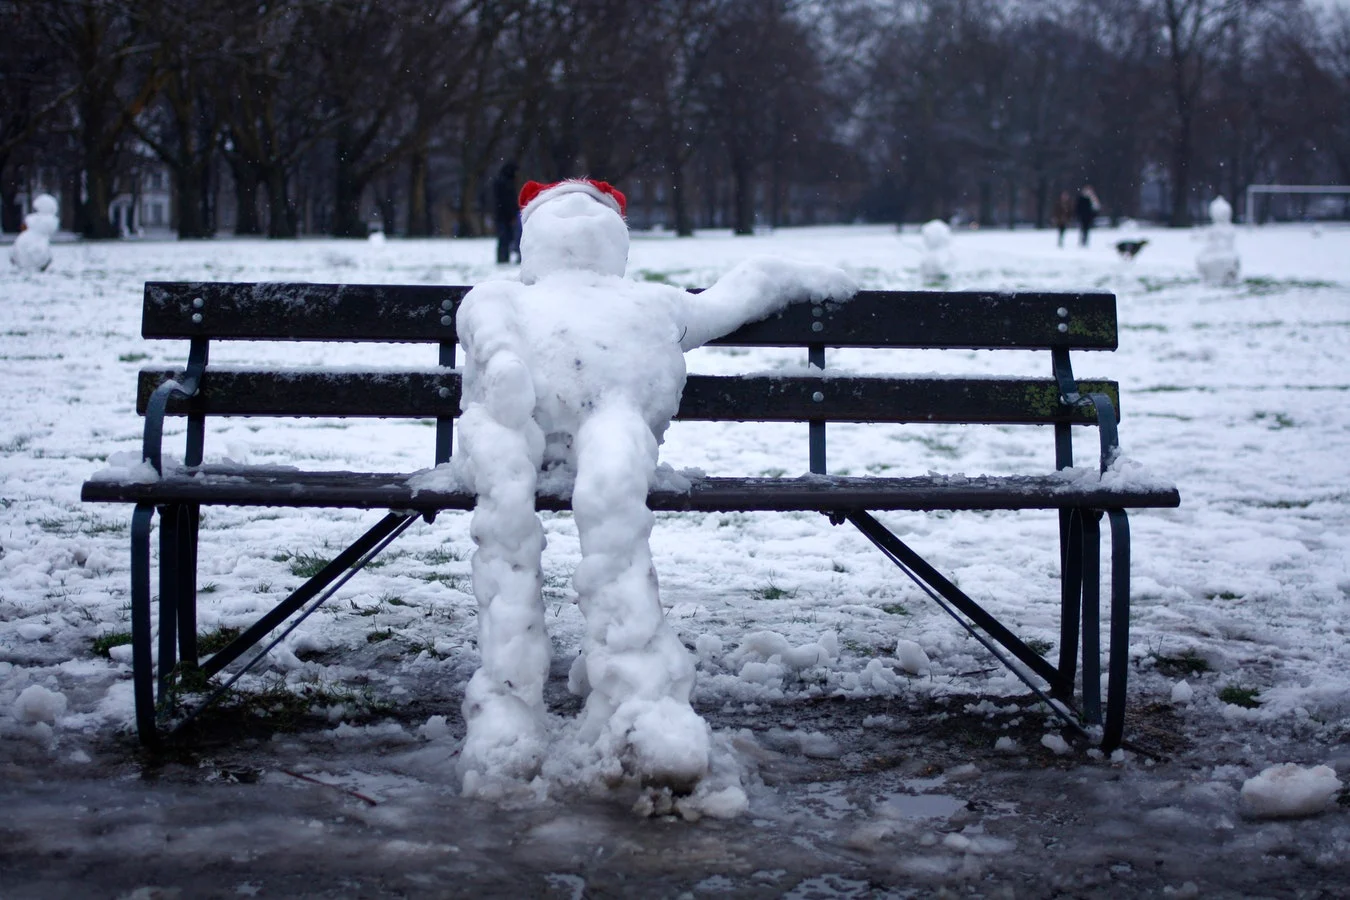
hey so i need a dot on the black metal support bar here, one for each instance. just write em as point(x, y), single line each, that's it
point(1118, 667)
point(386, 538)
point(1092, 640)
point(303, 594)
point(815, 357)
point(899, 550)
point(142, 662)
point(445, 425)
point(889, 544)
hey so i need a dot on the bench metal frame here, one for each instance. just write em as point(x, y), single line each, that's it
point(401, 313)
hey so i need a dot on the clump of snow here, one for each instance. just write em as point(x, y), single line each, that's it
point(1006, 744)
point(38, 704)
point(1289, 791)
point(128, 467)
point(912, 657)
point(1055, 744)
point(1218, 260)
point(936, 263)
point(32, 249)
point(1182, 693)
point(575, 373)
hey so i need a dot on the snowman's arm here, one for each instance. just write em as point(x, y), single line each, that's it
point(755, 289)
point(495, 371)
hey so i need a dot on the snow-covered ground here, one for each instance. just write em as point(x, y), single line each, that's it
point(1238, 395)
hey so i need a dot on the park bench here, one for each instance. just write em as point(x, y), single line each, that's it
point(201, 313)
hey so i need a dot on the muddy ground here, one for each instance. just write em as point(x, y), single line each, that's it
point(886, 798)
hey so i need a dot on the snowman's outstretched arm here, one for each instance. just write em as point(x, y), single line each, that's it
point(754, 289)
point(495, 374)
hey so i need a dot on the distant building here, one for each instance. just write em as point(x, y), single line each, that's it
point(143, 205)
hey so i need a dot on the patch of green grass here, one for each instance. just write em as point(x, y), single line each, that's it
point(14, 445)
point(1039, 646)
point(1188, 663)
point(772, 591)
point(1261, 286)
point(1240, 696)
point(216, 639)
point(383, 634)
point(209, 588)
point(454, 582)
point(263, 587)
point(303, 565)
point(440, 556)
point(133, 357)
point(894, 609)
point(104, 643)
point(1277, 421)
point(1225, 595)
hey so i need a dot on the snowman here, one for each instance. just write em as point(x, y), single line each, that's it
point(32, 249)
point(1218, 259)
point(572, 376)
point(936, 263)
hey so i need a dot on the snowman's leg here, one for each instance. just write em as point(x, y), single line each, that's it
point(503, 704)
point(640, 675)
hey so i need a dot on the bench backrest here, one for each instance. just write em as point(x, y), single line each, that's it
point(1058, 322)
point(425, 314)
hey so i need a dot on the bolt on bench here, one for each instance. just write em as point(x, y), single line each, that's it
point(1058, 322)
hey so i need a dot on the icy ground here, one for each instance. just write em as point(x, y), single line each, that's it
point(865, 781)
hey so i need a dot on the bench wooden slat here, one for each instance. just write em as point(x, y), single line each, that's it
point(266, 486)
point(420, 313)
point(772, 398)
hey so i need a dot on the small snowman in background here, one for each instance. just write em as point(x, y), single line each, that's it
point(32, 250)
point(1218, 260)
point(936, 264)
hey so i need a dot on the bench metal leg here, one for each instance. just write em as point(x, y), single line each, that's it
point(1070, 599)
point(170, 562)
point(1092, 642)
point(142, 664)
point(189, 528)
point(1118, 668)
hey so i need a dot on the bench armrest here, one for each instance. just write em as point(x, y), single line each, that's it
point(187, 386)
point(1106, 425)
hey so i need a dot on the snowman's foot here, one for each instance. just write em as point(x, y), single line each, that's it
point(667, 744)
point(506, 741)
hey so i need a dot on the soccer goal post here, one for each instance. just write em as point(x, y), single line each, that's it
point(1249, 210)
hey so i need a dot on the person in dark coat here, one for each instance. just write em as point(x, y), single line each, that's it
point(1087, 208)
point(506, 212)
point(1062, 214)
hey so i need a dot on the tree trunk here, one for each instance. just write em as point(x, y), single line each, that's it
point(1181, 174)
point(281, 214)
point(743, 197)
point(93, 213)
point(419, 200)
point(349, 186)
point(679, 208)
point(188, 183)
point(246, 182)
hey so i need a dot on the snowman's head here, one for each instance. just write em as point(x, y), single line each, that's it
point(45, 204)
point(574, 225)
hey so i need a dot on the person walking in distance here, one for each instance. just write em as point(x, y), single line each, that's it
point(1062, 214)
point(506, 213)
point(1087, 208)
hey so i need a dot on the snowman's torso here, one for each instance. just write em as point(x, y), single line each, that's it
point(594, 339)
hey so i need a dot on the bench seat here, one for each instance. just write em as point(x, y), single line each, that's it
point(220, 485)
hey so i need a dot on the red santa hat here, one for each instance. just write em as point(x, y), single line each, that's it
point(533, 194)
